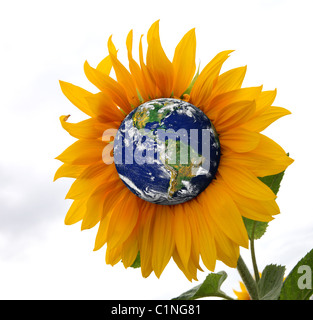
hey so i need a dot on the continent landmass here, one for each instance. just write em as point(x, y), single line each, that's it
point(150, 115)
point(180, 173)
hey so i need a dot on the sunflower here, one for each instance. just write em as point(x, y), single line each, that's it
point(243, 294)
point(206, 228)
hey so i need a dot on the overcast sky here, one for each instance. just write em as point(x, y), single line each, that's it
point(43, 42)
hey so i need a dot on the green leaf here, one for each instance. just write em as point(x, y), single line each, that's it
point(273, 181)
point(136, 263)
point(271, 282)
point(209, 288)
point(260, 228)
point(298, 284)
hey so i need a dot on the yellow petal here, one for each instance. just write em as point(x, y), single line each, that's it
point(130, 249)
point(265, 100)
point(129, 44)
point(123, 221)
point(69, 171)
point(230, 80)
point(243, 294)
point(124, 78)
point(251, 208)
point(254, 210)
point(105, 65)
point(202, 88)
point(163, 240)
point(114, 196)
point(83, 152)
point(87, 129)
point(134, 68)
point(271, 207)
point(261, 122)
point(224, 212)
point(94, 208)
point(148, 79)
point(113, 255)
point(77, 96)
point(101, 237)
point(245, 183)
point(193, 268)
point(205, 234)
point(158, 63)
point(269, 148)
point(194, 229)
point(99, 169)
point(260, 165)
point(90, 179)
point(239, 140)
point(226, 250)
point(234, 115)
point(104, 107)
point(184, 63)
point(109, 86)
point(190, 275)
point(221, 101)
point(76, 212)
point(145, 235)
point(182, 234)
point(153, 31)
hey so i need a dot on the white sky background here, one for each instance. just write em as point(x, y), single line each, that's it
point(44, 41)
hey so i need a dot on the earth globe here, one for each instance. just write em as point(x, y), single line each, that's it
point(166, 151)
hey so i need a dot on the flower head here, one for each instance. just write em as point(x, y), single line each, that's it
point(208, 226)
point(243, 294)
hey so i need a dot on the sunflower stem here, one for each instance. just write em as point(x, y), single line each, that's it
point(253, 257)
point(247, 279)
